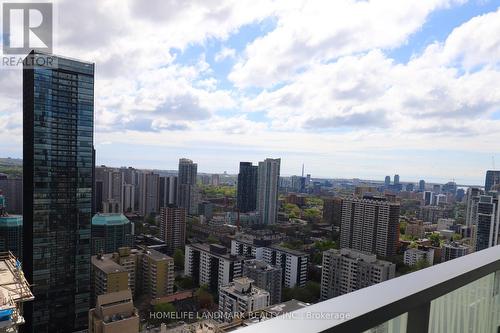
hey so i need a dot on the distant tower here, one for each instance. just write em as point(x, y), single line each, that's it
point(492, 178)
point(267, 190)
point(302, 169)
point(247, 187)
point(421, 185)
point(387, 180)
point(396, 179)
point(186, 185)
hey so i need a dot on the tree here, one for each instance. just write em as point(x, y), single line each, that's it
point(212, 240)
point(165, 309)
point(309, 293)
point(435, 239)
point(205, 298)
point(402, 228)
point(421, 264)
point(185, 282)
point(179, 258)
point(312, 214)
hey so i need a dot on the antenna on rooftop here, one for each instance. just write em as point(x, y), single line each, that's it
point(493, 161)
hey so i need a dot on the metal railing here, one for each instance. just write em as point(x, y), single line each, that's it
point(370, 307)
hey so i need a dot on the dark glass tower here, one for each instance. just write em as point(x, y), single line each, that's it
point(247, 187)
point(186, 185)
point(58, 107)
point(492, 178)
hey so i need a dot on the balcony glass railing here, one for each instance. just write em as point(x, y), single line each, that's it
point(458, 296)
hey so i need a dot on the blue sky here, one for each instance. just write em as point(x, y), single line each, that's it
point(350, 88)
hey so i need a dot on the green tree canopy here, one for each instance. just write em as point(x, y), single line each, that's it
point(179, 258)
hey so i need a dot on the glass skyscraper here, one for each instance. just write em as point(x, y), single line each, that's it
point(58, 169)
point(247, 187)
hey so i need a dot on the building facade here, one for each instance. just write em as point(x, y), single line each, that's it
point(173, 227)
point(110, 232)
point(186, 185)
point(370, 225)
point(347, 270)
point(114, 313)
point(211, 265)
point(107, 277)
point(58, 108)
point(492, 178)
point(157, 274)
point(488, 222)
point(267, 190)
point(247, 187)
point(241, 297)
point(413, 256)
point(266, 277)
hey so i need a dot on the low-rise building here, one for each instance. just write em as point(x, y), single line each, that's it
point(114, 313)
point(265, 276)
point(413, 255)
point(241, 297)
point(455, 250)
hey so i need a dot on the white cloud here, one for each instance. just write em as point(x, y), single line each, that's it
point(225, 53)
point(308, 32)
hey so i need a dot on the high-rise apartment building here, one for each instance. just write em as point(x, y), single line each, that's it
point(128, 198)
point(114, 313)
point(110, 232)
point(332, 211)
point(247, 187)
point(428, 198)
point(266, 277)
point(168, 191)
point(107, 276)
point(347, 270)
point(173, 227)
point(211, 265)
point(241, 297)
point(472, 199)
point(370, 225)
point(58, 108)
point(492, 178)
point(488, 222)
point(157, 274)
point(293, 263)
point(148, 193)
point(267, 190)
point(186, 185)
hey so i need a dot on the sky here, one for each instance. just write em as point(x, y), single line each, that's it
point(349, 88)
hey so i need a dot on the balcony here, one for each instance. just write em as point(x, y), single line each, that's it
point(458, 296)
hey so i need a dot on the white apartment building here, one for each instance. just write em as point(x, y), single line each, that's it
point(241, 297)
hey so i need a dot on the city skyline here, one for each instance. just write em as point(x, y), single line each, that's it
point(216, 96)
